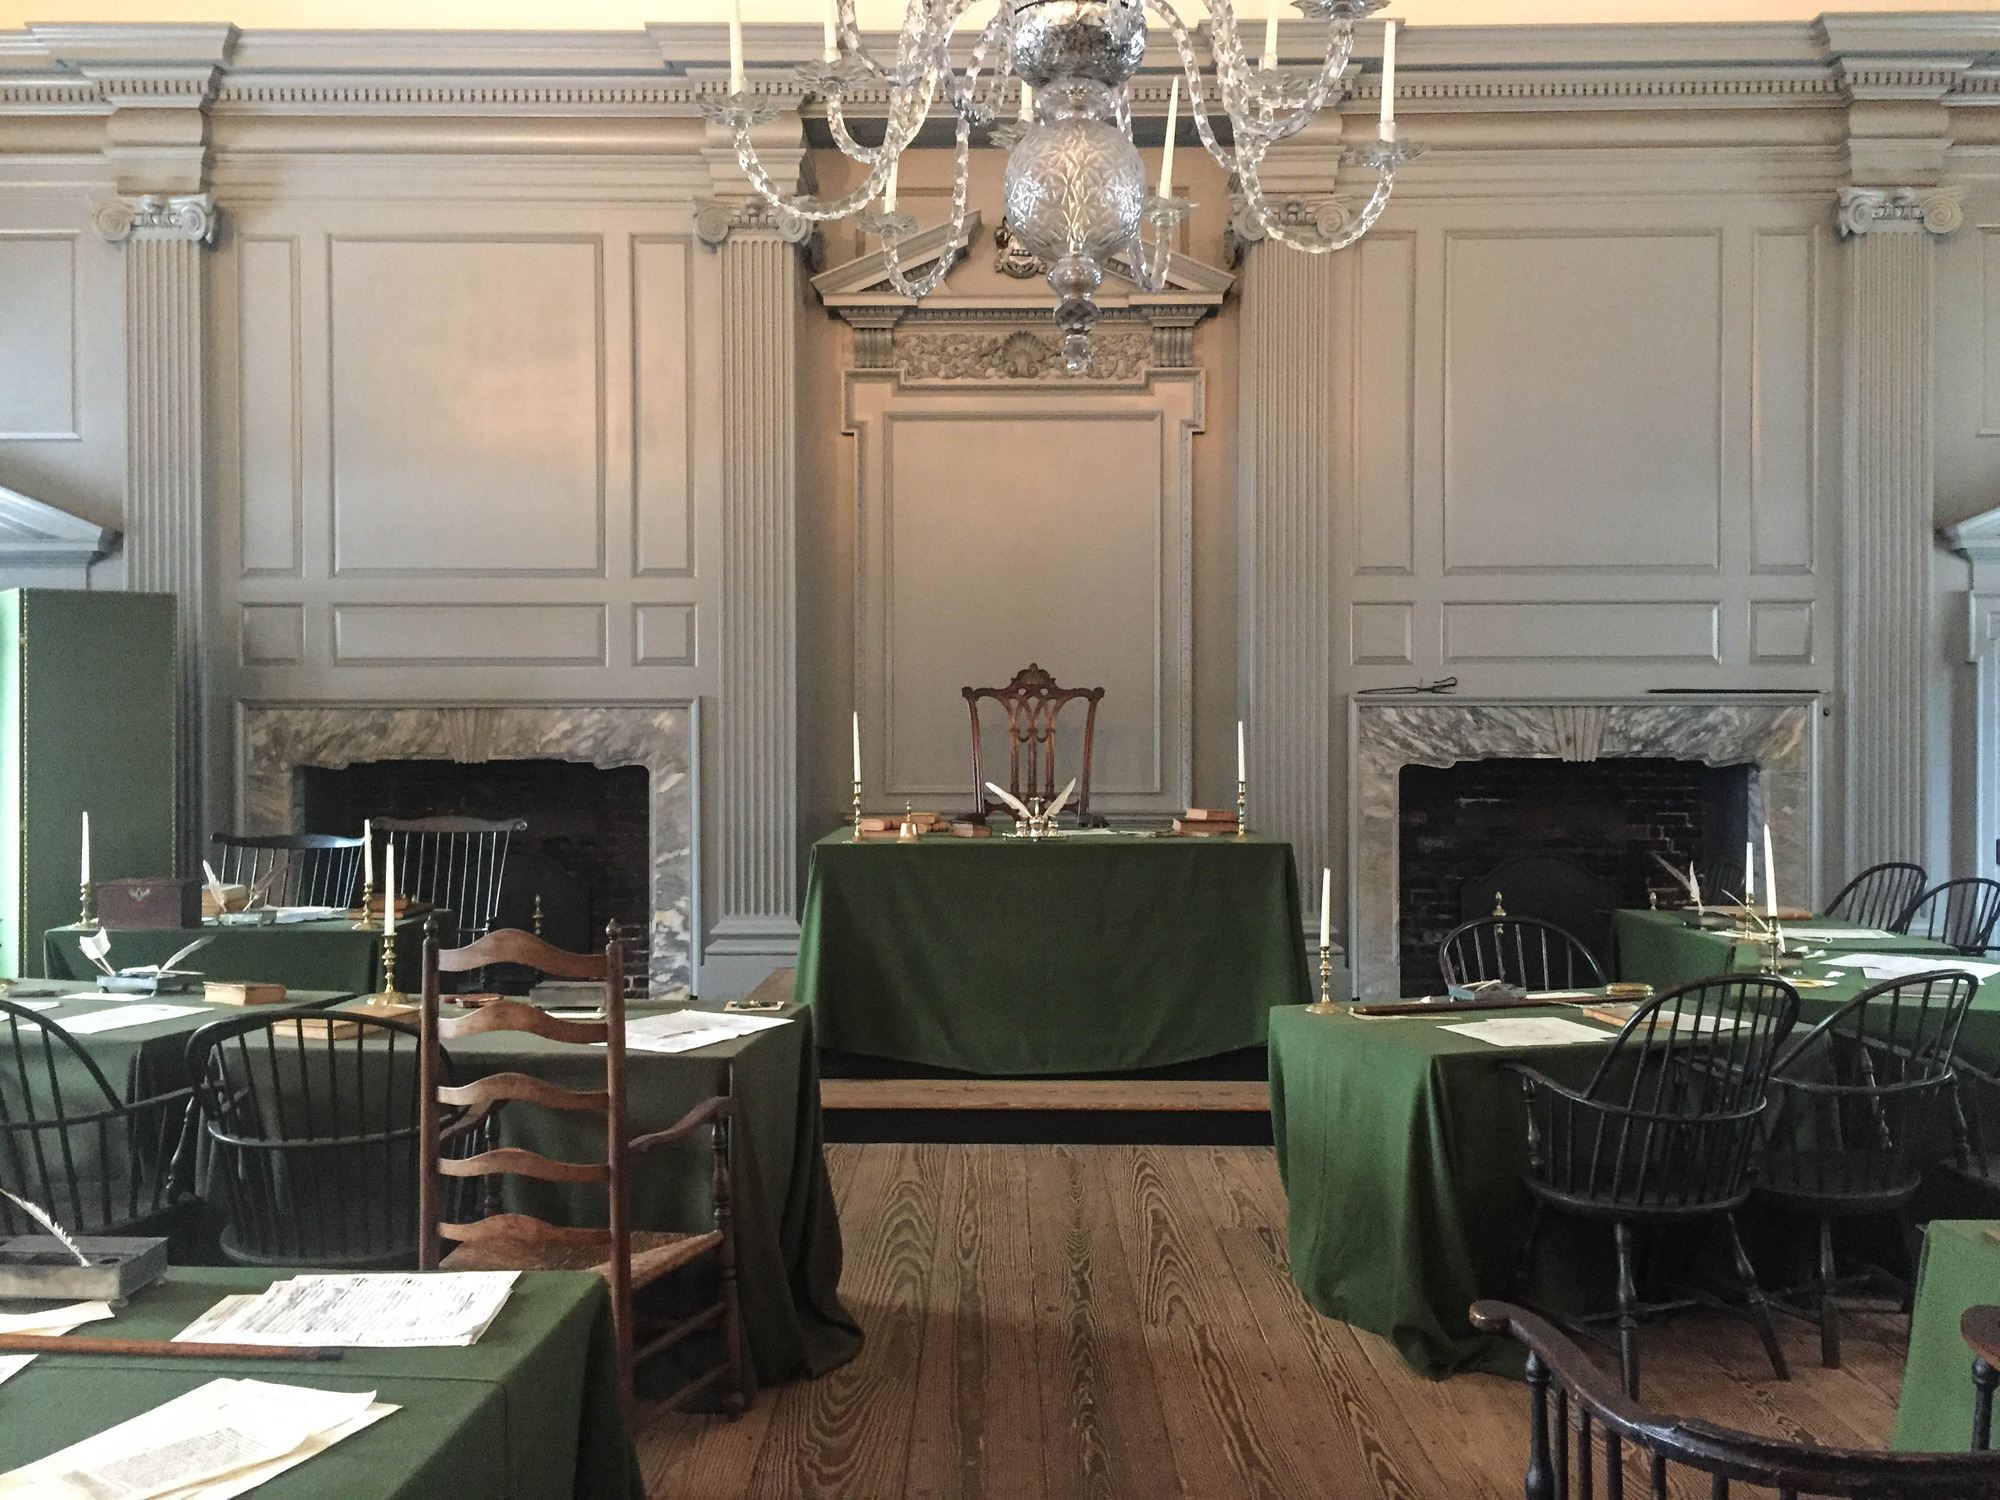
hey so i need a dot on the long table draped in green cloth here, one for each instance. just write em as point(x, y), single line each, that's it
point(788, 1247)
point(331, 955)
point(530, 1412)
point(1092, 952)
point(1960, 1269)
point(1401, 1146)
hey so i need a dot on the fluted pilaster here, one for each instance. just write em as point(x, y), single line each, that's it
point(1287, 491)
point(163, 470)
point(1888, 518)
point(756, 816)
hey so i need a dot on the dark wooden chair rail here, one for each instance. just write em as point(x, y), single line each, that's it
point(1580, 1425)
point(1880, 894)
point(1534, 954)
point(1033, 703)
point(464, 1147)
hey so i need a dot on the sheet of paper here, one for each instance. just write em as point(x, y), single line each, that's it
point(369, 1310)
point(1896, 965)
point(1839, 934)
point(245, 1480)
point(140, 1014)
point(306, 913)
point(33, 1004)
point(55, 1320)
point(213, 1433)
point(1529, 1031)
point(12, 1365)
point(685, 1030)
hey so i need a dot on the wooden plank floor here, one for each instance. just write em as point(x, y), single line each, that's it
point(1238, 1096)
point(1116, 1323)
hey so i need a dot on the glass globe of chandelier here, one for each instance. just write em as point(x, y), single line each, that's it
point(1075, 191)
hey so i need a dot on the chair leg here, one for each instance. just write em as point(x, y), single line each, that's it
point(1829, 1305)
point(1524, 1264)
point(1760, 1307)
point(1628, 1318)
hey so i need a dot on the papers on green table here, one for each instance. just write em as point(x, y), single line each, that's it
point(1899, 965)
point(368, 1310)
point(1529, 1031)
point(219, 1440)
point(685, 1030)
point(12, 1364)
point(119, 1017)
point(307, 913)
point(55, 1320)
point(1841, 935)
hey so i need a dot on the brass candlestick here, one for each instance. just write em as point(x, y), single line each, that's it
point(84, 918)
point(1242, 817)
point(389, 994)
point(857, 812)
point(1324, 1006)
point(367, 908)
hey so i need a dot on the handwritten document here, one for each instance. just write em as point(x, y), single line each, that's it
point(120, 1017)
point(1529, 1031)
point(386, 1310)
point(1901, 965)
point(685, 1030)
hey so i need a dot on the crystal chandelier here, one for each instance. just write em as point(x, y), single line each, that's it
point(1075, 190)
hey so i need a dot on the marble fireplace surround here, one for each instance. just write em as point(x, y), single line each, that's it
point(1776, 732)
point(277, 739)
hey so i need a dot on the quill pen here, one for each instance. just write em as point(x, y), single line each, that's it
point(41, 1217)
point(1061, 799)
point(96, 947)
point(1011, 800)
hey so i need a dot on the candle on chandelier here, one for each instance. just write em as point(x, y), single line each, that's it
point(1770, 878)
point(1027, 103)
point(889, 193)
point(1167, 151)
point(1388, 131)
point(736, 83)
point(86, 849)
point(1271, 33)
point(1326, 908)
point(830, 32)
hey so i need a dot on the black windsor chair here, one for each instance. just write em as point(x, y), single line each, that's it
point(1662, 1133)
point(453, 862)
point(1517, 950)
point(72, 1144)
point(1580, 1427)
point(293, 869)
point(1879, 895)
point(1853, 1101)
point(1960, 914)
point(311, 1123)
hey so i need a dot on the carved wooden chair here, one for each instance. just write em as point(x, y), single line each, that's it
point(294, 869)
point(460, 1136)
point(1032, 703)
point(1580, 1427)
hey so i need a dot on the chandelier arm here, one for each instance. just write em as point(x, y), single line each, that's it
point(1354, 229)
point(966, 96)
point(836, 123)
point(1191, 67)
point(922, 286)
point(1340, 48)
point(907, 70)
point(908, 108)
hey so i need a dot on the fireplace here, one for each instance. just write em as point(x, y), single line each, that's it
point(1774, 736)
point(1613, 819)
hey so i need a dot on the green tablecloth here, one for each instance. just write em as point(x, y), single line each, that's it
point(788, 1249)
point(530, 1412)
point(1085, 954)
point(1402, 1147)
point(299, 955)
point(1961, 1269)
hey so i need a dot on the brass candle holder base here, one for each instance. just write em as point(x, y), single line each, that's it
point(1324, 1006)
point(857, 812)
point(389, 994)
point(367, 908)
point(1242, 818)
point(85, 917)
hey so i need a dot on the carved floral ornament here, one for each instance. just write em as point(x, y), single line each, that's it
point(1116, 355)
point(1934, 210)
point(193, 217)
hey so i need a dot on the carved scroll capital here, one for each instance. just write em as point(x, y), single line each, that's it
point(715, 221)
point(193, 217)
point(1934, 210)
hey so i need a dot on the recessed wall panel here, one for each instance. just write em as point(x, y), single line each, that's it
point(1781, 630)
point(1989, 252)
point(474, 634)
point(37, 336)
point(1781, 470)
point(1383, 418)
point(1582, 401)
point(273, 635)
point(1565, 631)
point(1382, 635)
point(268, 419)
point(663, 635)
point(663, 515)
point(467, 405)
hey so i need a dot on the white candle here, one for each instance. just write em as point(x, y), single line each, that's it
point(86, 849)
point(1167, 151)
point(1770, 878)
point(1694, 886)
point(367, 851)
point(1749, 873)
point(736, 84)
point(388, 886)
point(1027, 103)
point(857, 747)
point(830, 32)
point(1270, 33)
point(1388, 131)
point(1239, 751)
point(889, 193)
point(1326, 908)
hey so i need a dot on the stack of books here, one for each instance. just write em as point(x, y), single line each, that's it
point(1206, 822)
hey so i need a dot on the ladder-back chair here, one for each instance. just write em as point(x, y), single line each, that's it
point(1663, 1132)
point(1032, 703)
point(292, 869)
point(1959, 914)
point(1517, 950)
point(1880, 894)
point(462, 1131)
point(1852, 1102)
point(72, 1144)
point(453, 862)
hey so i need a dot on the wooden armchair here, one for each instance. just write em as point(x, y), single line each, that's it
point(467, 1144)
point(1032, 703)
point(296, 869)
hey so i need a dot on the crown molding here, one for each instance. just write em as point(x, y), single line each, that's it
point(34, 533)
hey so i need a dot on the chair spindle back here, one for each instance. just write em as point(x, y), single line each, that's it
point(1518, 950)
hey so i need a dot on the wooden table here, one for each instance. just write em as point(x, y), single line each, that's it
point(1961, 1269)
point(530, 1412)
